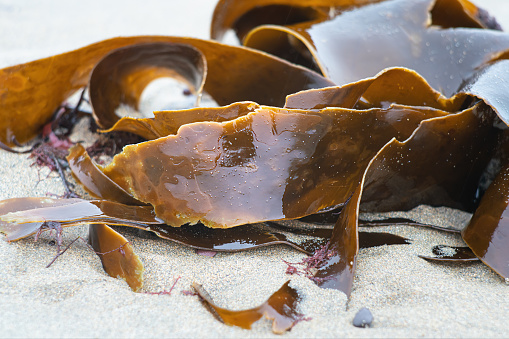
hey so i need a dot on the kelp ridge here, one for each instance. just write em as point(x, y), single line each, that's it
point(410, 108)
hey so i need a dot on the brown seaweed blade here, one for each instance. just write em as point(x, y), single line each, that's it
point(396, 33)
point(226, 240)
point(280, 307)
point(449, 152)
point(251, 76)
point(117, 255)
point(488, 231)
point(254, 168)
point(453, 168)
point(86, 172)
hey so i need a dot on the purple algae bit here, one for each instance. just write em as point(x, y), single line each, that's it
point(363, 318)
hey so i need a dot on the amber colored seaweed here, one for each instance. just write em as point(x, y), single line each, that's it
point(372, 151)
point(117, 255)
point(29, 96)
point(281, 308)
point(359, 43)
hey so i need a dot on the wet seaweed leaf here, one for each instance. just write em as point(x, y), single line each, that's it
point(243, 16)
point(487, 232)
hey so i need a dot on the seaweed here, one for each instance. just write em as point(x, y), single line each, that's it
point(280, 308)
point(415, 112)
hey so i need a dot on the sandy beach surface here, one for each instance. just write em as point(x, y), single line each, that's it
point(408, 296)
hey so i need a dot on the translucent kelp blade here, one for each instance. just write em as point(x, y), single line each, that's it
point(270, 164)
point(397, 85)
point(451, 254)
point(120, 77)
point(336, 266)
point(487, 233)
point(31, 88)
point(491, 84)
point(80, 211)
point(360, 43)
point(117, 255)
point(14, 231)
point(86, 172)
point(242, 16)
point(165, 123)
point(281, 308)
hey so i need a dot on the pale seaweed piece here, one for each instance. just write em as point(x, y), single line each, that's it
point(242, 16)
point(363, 41)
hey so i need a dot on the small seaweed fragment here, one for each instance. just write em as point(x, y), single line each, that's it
point(117, 255)
point(281, 308)
point(451, 254)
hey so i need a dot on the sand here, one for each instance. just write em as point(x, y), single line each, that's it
point(408, 296)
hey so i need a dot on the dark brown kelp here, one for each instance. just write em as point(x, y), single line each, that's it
point(488, 231)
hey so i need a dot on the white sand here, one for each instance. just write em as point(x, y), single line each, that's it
point(409, 297)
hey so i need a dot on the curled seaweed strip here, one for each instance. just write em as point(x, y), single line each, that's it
point(280, 308)
point(74, 68)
